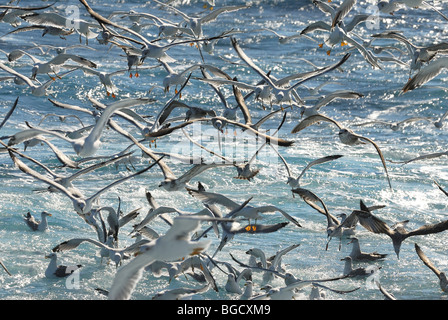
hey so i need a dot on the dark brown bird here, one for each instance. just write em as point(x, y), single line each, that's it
point(397, 232)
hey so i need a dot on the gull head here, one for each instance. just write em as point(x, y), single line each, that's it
point(34, 72)
point(293, 183)
point(80, 206)
point(219, 124)
point(51, 256)
point(46, 214)
point(347, 137)
point(438, 124)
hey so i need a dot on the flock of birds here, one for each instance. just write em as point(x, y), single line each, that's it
point(185, 246)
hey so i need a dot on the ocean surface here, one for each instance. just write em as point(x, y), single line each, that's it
point(341, 184)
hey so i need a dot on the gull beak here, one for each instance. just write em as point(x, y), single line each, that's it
point(196, 251)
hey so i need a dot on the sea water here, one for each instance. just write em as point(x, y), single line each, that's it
point(341, 184)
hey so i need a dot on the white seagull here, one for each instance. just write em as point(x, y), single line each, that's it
point(87, 145)
point(36, 90)
point(35, 225)
point(174, 245)
point(346, 136)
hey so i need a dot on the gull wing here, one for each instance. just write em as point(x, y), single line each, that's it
point(319, 161)
point(312, 120)
point(311, 199)
point(19, 75)
point(373, 223)
point(8, 115)
point(91, 199)
point(379, 153)
point(342, 11)
point(425, 260)
point(74, 243)
point(426, 74)
point(216, 12)
point(213, 198)
point(274, 209)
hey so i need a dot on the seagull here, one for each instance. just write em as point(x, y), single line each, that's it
point(87, 145)
point(395, 125)
point(275, 262)
point(36, 90)
point(342, 11)
point(357, 272)
point(248, 290)
point(339, 32)
point(245, 172)
point(105, 78)
point(285, 39)
point(232, 285)
point(232, 228)
point(114, 254)
point(249, 212)
point(191, 113)
point(337, 15)
point(66, 181)
point(195, 24)
point(339, 94)
point(35, 225)
point(426, 74)
point(52, 66)
point(290, 291)
point(346, 136)
point(54, 31)
point(316, 294)
point(180, 293)
point(82, 27)
point(82, 205)
point(178, 78)
point(281, 94)
point(397, 232)
point(56, 270)
point(387, 295)
point(423, 157)
point(12, 13)
point(438, 124)
point(419, 54)
point(443, 281)
point(62, 118)
point(335, 228)
point(357, 255)
point(171, 183)
point(395, 5)
point(295, 182)
point(174, 245)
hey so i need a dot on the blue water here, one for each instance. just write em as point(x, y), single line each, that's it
point(341, 183)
